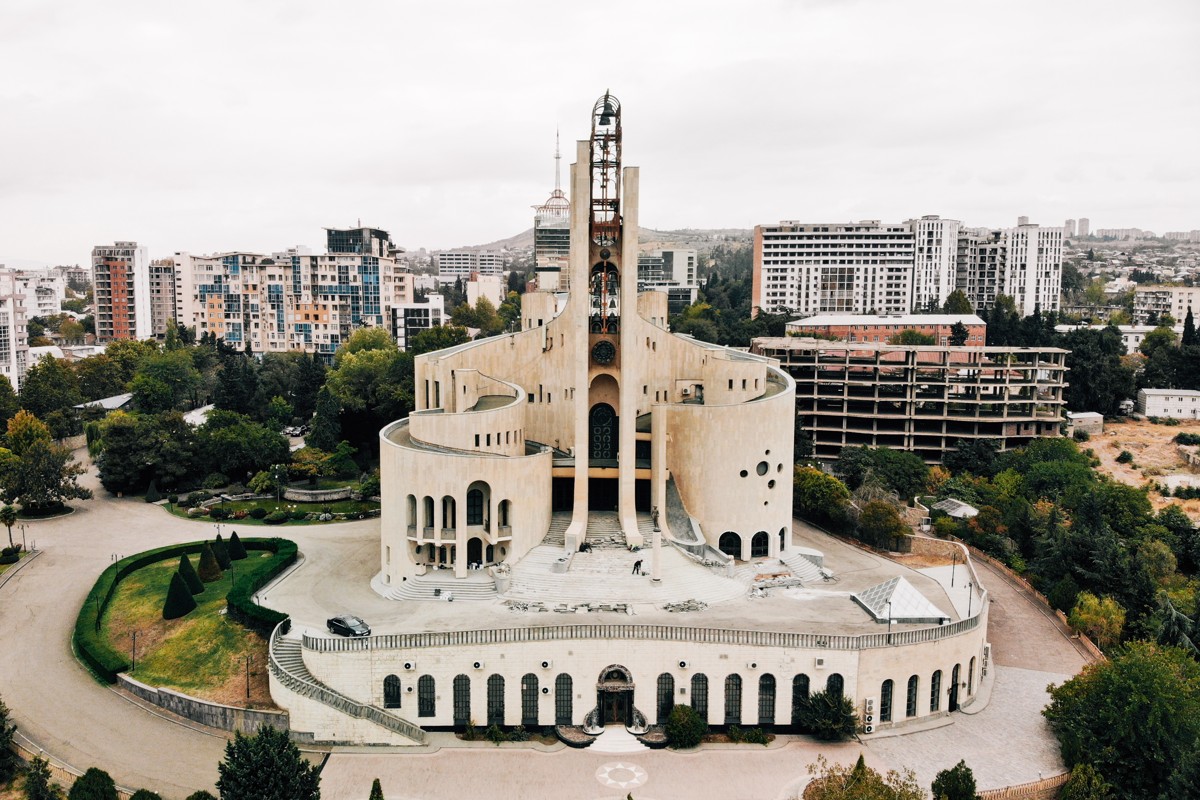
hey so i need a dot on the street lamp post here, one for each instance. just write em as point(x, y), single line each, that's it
point(23, 545)
point(133, 654)
point(953, 565)
point(248, 657)
point(889, 606)
point(970, 597)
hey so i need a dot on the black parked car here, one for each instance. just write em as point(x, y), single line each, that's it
point(348, 625)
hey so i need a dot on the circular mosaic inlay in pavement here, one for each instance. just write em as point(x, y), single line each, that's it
point(621, 775)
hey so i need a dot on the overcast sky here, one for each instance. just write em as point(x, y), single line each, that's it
point(213, 126)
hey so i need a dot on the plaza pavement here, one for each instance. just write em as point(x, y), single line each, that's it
point(58, 706)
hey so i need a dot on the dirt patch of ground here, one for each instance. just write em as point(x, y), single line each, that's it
point(1155, 455)
point(913, 561)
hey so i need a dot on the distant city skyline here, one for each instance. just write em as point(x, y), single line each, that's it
point(437, 122)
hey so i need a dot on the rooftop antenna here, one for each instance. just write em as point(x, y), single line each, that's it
point(557, 162)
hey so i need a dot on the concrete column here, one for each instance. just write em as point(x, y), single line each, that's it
point(577, 308)
point(658, 482)
point(631, 359)
point(460, 536)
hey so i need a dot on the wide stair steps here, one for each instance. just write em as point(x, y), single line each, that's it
point(559, 522)
point(288, 667)
point(616, 739)
point(802, 568)
point(440, 584)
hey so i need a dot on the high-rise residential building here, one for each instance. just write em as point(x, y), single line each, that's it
point(455, 264)
point(552, 234)
point(293, 300)
point(1085, 227)
point(1123, 233)
point(1069, 228)
point(44, 291)
point(162, 295)
point(1151, 301)
point(856, 267)
point(14, 329)
point(935, 255)
point(1182, 236)
point(670, 271)
point(121, 280)
point(1024, 263)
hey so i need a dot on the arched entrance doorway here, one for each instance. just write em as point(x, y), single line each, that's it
point(730, 544)
point(474, 550)
point(602, 432)
point(760, 545)
point(614, 695)
point(955, 674)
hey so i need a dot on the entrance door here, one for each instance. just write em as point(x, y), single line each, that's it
point(602, 424)
point(615, 706)
point(474, 550)
point(954, 687)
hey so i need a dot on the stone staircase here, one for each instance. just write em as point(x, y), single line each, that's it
point(802, 568)
point(287, 666)
point(616, 739)
point(556, 535)
point(604, 531)
point(441, 584)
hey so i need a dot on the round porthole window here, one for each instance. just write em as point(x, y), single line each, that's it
point(743, 473)
point(762, 468)
point(770, 484)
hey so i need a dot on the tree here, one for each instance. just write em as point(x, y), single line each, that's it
point(828, 715)
point(237, 551)
point(1086, 784)
point(236, 446)
point(221, 552)
point(179, 600)
point(977, 456)
point(237, 386)
point(912, 337)
point(9, 404)
point(1132, 718)
point(326, 428)
point(685, 727)
point(50, 391)
point(266, 766)
point(165, 381)
point(880, 525)
point(37, 781)
point(1185, 780)
point(201, 795)
point(8, 757)
point(188, 572)
point(859, 782)
point(376, 791)
point(959, 334)
point(1101, 618)
point(1189, 330)
point(145, 794)
point(818, 496)
point(209, 570)
point(956, 783)
point(95, 784)
point(1099, 381)
point(8, 518)
point(39, 472)
point(957, 303)
point(438, 337)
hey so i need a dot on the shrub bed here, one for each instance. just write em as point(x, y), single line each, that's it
point(106, 662)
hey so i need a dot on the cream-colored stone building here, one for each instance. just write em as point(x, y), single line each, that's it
point(589, 521)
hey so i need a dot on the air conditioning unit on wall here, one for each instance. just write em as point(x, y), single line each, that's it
point(819, 663)
point(547, 664)
point(477, 665)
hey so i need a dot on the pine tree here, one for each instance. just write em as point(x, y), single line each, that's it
point(221, 552)
point(8, 757)
point(179, 598)
point(37, 781)
point(266, 766)
point(327, 427)
point(145, 794)
point(1189, 330)
point(376, 791)
point(209, 570)
point(236, 550)
point(95, 784)
point(956, 783)
point(152, 493)
point(188, 572)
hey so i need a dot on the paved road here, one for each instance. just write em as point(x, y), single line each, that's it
point(57, 704)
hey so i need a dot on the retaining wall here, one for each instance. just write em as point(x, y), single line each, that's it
point(317, 495)
point(1045, 789)
point(214, 715)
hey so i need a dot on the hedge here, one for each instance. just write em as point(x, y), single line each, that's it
point(106, 662)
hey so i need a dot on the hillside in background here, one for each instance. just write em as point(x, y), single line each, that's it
point(701, 239)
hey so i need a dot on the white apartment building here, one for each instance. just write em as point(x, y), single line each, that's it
point(121, 280)
point(14, 332)
point(1124, 233)
point(1182, 236)
point(1069, 228)
point(1085, 226)
point(1131, 335)
point(409, 319)
point(1024, 263)
point(44, 291)
point(935, 257)
point(855, 267)
point(670, 271)
point(1157, 299)
point(455, 264)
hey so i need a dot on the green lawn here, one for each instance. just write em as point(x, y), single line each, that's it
point(335, 507)
point(202, 653)
point(4, 567)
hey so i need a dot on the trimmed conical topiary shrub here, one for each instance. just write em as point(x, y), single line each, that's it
point(179, 598)
point(236, 550)
point(152, 495)
point(221, 552)
point(194, 584)
point(376, 791)
point(209, 570)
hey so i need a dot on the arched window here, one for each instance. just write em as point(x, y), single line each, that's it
point(733, 700)
point(505, 512)
point(954, 676)
point(449, 512)
point(766, 700)
point(910, 702)
point(782, 539)
point(836, 685)
point(495, 700)
point(391, 692)
point(760, 545)
point(475, 507)
point(799, 697)
point(971, 678)
point(529, 700)
point(426, 696)
point(462, 700)
point(666, 696)
point(563, 689)
point(935, 691)
point(885, 701)
point(428, 503)
point(700, 695)
point(730, 544)
point(411, 510)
